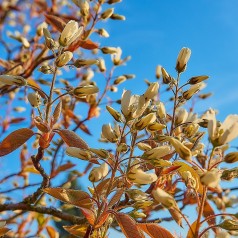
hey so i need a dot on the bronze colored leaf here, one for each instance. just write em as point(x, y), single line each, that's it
point(85, 129)
point(57, 112)
point(154, 230)
point(52, 232)
point(208, 211)
point(191, 231)
point(72, 139)
point(116, 197)
point(55, 21)
point(77, 230)
point(128, 226)
point(62, 168)
point(17, 120)
point(88, 45)
point(15, 140)
point(77, 198)
point(3, 230)
point(89, 215)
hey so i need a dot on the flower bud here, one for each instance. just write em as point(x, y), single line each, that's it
point(164, 198)
point(158, 71)
point(103, 32)
point(101, 65)
point(116, 115)
point(197, 79)
point(136, 194)
point(129, 76)
point(137, 175)
point(143, 146)
point(152, 91)
point(193, 90)
point(181, 149)
point(41, 125)
point(12, 80)
point(155, 127)
point(98, 173)
point(109, 50)
point(229, 174)
point(157, 152)
point(211, 178)
point(113, 1)
point(181, 116)
point(142, 204)
point(117, 17)
point(136, 214)
point(119, 80)
point(190, 181)
point(161, 111)
point(144, 121)
point(229, 225)
point(85, 90)
point(34, 99)
point(109, 134)
point(82, 62)
point(78, 153)
point(231, 157)
point(182, 59)
point(40, 27)
point(122, 148)
point(46, 69)
point(64, 58)
point(70, 33)
point(50, 43)
point(100, 152)
point(166, 77)
point(105, 15)
point(116, 57)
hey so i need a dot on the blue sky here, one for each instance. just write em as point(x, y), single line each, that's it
point(155, 31)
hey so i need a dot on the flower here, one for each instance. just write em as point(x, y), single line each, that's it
point(181, 116)
point(12, 80)
point(145, 121)
point(158, 152)
point(70, 33)
point(98, 173)
point(34, 99)
point(182, 59)
point(211, 178)
point(152, 91)
point(108, 133)
point(78, 153)
point(138, 176)
point(132, 106)
point(64, 58)
point(164, 198)
point(161, 111)
point(226, 132)
point(193, 90)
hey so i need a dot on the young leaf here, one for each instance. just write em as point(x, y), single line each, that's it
point(191, 231)
point(116, 197)
point(154, 230)
point(15, 140)
point(88, 45)
point(62, 168)
point(208, 211)
point(72, 139)
point(3, 230)
point(89, 215)
point(128, 226)
point(75, 197)
point(55, 21)
point(52, 232)
point(77, 230)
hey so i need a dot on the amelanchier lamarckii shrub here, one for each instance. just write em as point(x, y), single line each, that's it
point(153, 149)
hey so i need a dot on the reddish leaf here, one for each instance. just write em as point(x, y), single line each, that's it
point(128, 226)
point(75, 197)
point(17, 120)
point(154, 230)
point(55, 21)
point(3, 230)
point(52, 232)
point(72, 139)
point(102, 219)
point(191, 231)
point(15, 140)
point(62, 168)
point(85, 129)
point(208, 211)
point(77, 230)
point(89, 215)
point(116, 197)
point(87, 44)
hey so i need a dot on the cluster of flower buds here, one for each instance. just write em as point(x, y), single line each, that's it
point(12, 80)
point(98, 173)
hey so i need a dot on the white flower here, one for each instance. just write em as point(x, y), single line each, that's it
point(78, 153)
point(164, 198)
point(132, 106)
point(34, 99)
point(70, 33)
point(211, 178)
point(182, 59)
point(108, 133)
point(64, 58)
point(98, 173)
point(158, 152)
point(152, 91)
point(181, 116)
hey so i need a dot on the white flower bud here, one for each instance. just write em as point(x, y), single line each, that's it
point(119, 80)
point(181, 116)
point(70, 33)
point(164, 198)
point(117, 17)
point(211, 178)
point(140, 177)
point(197, 79)
point(98, 173)
point(145, 121)
point(64, 58)
point(105, 15)
point(116, 57)
point(166, 77)
point(152, 91)
point(82, 62)
point(101, 65)
point(85, 90)
point(157, 152)
point(40, 27)
point(78, 153)
point(34, 99)
point(109, 50)
point(193, 90)
point(100, 152)
point(12, 80)
point(116, 115)
point(103, 32)
point(143, 146)
point(158, 71)
point(108, 133)
point(161, 111)
point(182, 59)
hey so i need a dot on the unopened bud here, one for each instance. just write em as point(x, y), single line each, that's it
point(116, 115)
point(157, 152)
point(229, 225)
point(63, 59)
point(113, 1)
point(138, 176)
point(122, 148)
point(231, 157)
point(197, 79)
point(109, 50)
point(142, 204)
point(34, 99)
point(155, 127)
point(78, 153)
point(103, 32)
point(129, 76)
point(182, 59)
point(193, 90)
point(109, 134)
point(41, 125)
point(85, 90)
point(181, 116)
point(119, 80)
point(118, 17)
point(166, 77)
point(161, 111)
point(98, 173)
point(105, 15)
point(136, 214)
point(143, 146)
point(39, 29)
point(12, 80)
point(82, 62)
point(152, 91)
point(158, 71)
point(211, 178)
point(46, 69)
point(101, 65)
point(100, 152)
point(229, 174)
point(50, 43)
point(145, 121)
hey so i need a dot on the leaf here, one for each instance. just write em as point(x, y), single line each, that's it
point(87, 44)
point(52, 232)
point(85, 129)
point(89, 215)
point(55, 21)
point(17, 120)
point(30, 169)
point(191, 231)
point(3, 230)
point(154, 230)
point(72, 139)
point(75, 197)
point(77, 230)
point(185, 167)
point(116, 197)
point(62, 168)
point(102, 219)
point(15, 140)
point(208, 211)
point(175, 213)
point(128, 226)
